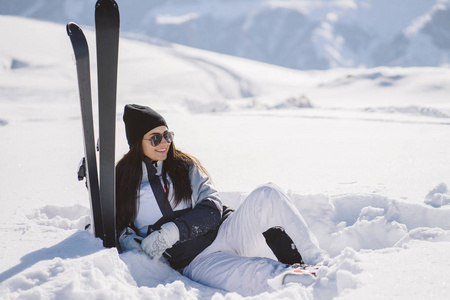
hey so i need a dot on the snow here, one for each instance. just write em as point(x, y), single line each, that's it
point(362, 153)
point(165, 19)
point(301, 34)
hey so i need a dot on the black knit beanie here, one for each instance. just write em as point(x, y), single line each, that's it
point(139, 120)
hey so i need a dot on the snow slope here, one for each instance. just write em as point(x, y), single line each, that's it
point(363, 154)
point(302, 34)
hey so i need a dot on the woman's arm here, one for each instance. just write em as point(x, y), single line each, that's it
point(206, 210)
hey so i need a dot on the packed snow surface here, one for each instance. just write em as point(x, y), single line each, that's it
point(362, 153)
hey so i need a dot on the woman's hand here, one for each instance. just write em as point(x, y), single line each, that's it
point(129, 240)
point(159, 241)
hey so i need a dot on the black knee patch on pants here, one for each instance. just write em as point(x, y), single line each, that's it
point(282, 246)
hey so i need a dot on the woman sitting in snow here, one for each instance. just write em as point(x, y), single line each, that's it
point(167, 206)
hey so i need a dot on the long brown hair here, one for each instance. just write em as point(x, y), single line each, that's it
point(129, 177)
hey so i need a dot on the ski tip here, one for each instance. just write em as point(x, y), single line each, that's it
point(107, 13)
point(71, 27)
point(108, 2)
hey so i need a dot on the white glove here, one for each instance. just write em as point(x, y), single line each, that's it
point(129, 240)
point(161, 240)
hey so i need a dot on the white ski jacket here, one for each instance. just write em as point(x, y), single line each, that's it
point(197, 222)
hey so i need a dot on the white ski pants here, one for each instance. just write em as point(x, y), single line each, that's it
point(239, 259)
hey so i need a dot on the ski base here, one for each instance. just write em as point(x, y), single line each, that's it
point(107, 38)
point(88, 165)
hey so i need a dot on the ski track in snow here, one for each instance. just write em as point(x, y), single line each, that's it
point(218, 73)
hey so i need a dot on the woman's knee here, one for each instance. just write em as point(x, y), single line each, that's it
point(268, 194)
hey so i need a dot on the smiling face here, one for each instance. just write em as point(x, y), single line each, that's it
point(160, 151)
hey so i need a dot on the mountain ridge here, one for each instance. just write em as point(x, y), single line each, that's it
point(299, 34)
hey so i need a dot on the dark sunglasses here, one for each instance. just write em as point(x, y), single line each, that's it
point(156, 139)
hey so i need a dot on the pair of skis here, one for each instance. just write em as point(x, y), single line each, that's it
point(101, 185)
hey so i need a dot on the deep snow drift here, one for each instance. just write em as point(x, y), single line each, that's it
point(363, 154)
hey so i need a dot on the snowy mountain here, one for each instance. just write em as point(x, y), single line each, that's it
point(301, 34)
